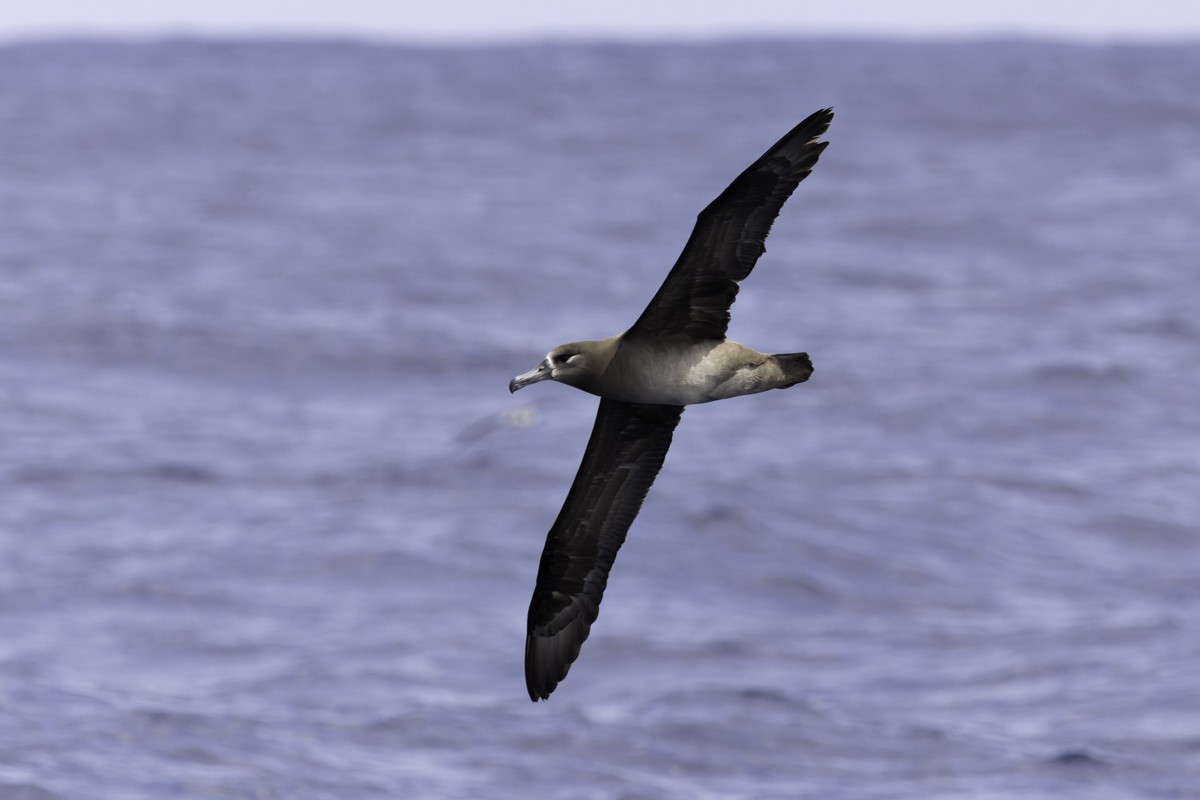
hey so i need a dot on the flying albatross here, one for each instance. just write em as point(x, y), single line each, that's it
point(675, 354)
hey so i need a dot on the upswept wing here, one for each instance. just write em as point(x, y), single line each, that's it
point(624, 454)
point(729, 237)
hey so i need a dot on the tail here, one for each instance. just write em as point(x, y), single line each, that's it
point(796, 368)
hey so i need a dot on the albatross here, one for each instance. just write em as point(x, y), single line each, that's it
point(674, 355)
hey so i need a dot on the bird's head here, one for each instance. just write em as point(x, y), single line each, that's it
point(567, 363)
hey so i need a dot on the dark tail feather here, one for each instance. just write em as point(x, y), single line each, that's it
point(796, 368)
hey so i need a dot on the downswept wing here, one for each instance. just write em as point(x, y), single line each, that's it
point(624, 454)
point(729, 237)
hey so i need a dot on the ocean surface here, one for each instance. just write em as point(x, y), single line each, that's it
point(270, 518)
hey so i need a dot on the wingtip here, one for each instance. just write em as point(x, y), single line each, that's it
point(541, 668)
point(806, 136)
point(821, 119)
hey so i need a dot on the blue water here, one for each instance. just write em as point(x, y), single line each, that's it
point(270, 519)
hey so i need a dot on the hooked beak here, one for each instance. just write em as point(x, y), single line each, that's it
point(539, 373)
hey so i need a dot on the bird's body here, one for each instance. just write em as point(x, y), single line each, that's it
point(674, 355)
point(678, 371)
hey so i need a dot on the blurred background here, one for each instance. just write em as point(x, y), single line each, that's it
point(270, 519)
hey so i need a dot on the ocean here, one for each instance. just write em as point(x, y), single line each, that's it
point(270, 517)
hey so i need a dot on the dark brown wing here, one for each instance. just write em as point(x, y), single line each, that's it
point(623, 456)
point(729, 237)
